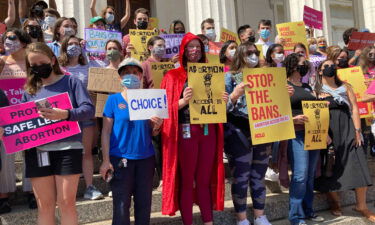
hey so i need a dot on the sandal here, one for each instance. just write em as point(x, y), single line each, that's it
point(334, 206)
point(366, 213)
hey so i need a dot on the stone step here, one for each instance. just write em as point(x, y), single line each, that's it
point(93, 211)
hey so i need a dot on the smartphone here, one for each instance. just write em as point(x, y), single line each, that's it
point(43, 103)
point(108, 176)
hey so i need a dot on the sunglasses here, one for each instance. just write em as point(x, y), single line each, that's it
point(12, 37)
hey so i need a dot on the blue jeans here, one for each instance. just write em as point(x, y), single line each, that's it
point(301, 192)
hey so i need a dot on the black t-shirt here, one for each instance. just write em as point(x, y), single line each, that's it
point(301, 93)
point(3, 99)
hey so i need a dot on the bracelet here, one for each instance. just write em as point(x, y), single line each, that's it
point(359, 130)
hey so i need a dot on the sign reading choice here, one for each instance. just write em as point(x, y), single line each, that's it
point(24, 129)
point(146, 103)
point(268, 105)
point(97, 39)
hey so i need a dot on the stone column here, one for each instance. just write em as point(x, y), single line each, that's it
point(222, 11)
point(368, 15)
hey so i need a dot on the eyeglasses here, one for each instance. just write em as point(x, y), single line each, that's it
point(12, 37)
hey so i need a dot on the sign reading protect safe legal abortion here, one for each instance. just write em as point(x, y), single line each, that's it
point(268, 104)
point(146, 103)
point(207, 82)
point(97, 39)
point(24, 129)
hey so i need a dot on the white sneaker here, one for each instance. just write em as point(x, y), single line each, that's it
point(243, 222)
point(92, 193)
point(262, 220)
point(271, 175)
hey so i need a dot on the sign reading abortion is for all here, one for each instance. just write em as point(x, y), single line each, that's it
point(146, 103)
point(24, 129)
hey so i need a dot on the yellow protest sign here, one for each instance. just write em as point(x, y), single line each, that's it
point(153, 23)
point(207, 82)
point(227, 35)
point(158, 70)
point(316, 129)
point(268, 104)
point(354, 77)
point(139, 38)
point(292, 33)
point(260, 49)
point(211, 58)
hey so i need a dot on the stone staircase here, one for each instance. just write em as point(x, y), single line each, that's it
point(100, 212)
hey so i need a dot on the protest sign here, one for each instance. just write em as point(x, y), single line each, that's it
point(146, 103)
point(292, 33)
point(3, 28)
point(354, 76)
point(316, 129)
point(260, 49)
point(24, 129)
point(158, 70)
point(313, 18)
point(139, 39)
point(104, 80)
point(13, 89)
point(153, 23)
point(214, 47)
point(360, 40)
point(227, 35)
point(268, 105)
point(172, 44)
point(207, 105)
point(211, 58)
point(99, 101)
point(97, 39)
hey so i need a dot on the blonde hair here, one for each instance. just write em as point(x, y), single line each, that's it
point(33, 83)
point(311, 41)
point(333, 52)
point(363, 58)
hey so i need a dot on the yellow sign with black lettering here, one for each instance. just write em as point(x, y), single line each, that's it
point(207, 105)
point(316, 129)
point(139, 39)
point(158, 70)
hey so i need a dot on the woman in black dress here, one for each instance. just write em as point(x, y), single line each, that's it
point(350, 170)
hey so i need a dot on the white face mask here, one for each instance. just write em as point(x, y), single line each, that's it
point(68, 31)
point(252, 60)
point(211, 34)
point(232, 52)
point(109, 18)
point(312, 48)
point(50, 21)
point(279, 57)
point(11, 46)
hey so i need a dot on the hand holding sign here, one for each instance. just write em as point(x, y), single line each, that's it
point(53, 114)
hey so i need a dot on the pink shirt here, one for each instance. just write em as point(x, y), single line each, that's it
point(147, 76)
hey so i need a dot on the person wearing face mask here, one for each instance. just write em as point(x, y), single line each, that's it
point(322, 45)
point(114, 54)
point(63, 28)
point(246, 33)
point(309, 78)
point(141, 19)
point(109, 14)
point(51, 16)
point(338, 55)
point(32, 27)
point(227, 53)
point(35, 11)
point(315, 57)
point(56, 183)
point(156, 49)
point(350, 169)
point(177, 27)
point(275, 56)
point(243, 157)
point(264, 31)
point(128, 152)
point(192, 154)
point(303, 163)
point(208, 29)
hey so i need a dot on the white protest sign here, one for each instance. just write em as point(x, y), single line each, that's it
point(146, 103)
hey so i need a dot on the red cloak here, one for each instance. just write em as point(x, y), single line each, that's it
point(173, 82)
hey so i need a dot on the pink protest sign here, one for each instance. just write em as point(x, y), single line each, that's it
point(13, 89)
point(24, 129)
point(360, 40)
point(313, 18)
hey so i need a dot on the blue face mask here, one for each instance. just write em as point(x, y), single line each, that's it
point(74, 50)
point(131, 81)
point(265, 34)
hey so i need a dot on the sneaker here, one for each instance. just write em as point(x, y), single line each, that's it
point(262, 220)
point(92, 193)
point(110, 194)
point(31, 201)
point(316, 218)
point(243, 222)
point(302, 223)
point(271, 175)
point(5, 207)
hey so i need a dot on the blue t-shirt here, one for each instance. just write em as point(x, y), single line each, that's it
point(129, 139)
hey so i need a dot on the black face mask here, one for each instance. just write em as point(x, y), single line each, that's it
point(42, 71)
point(329, 71)
point(179, 32)
point(343, 63)
point(251, 39)
point(142, 25)
point(302, 70)
point(35, 32)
